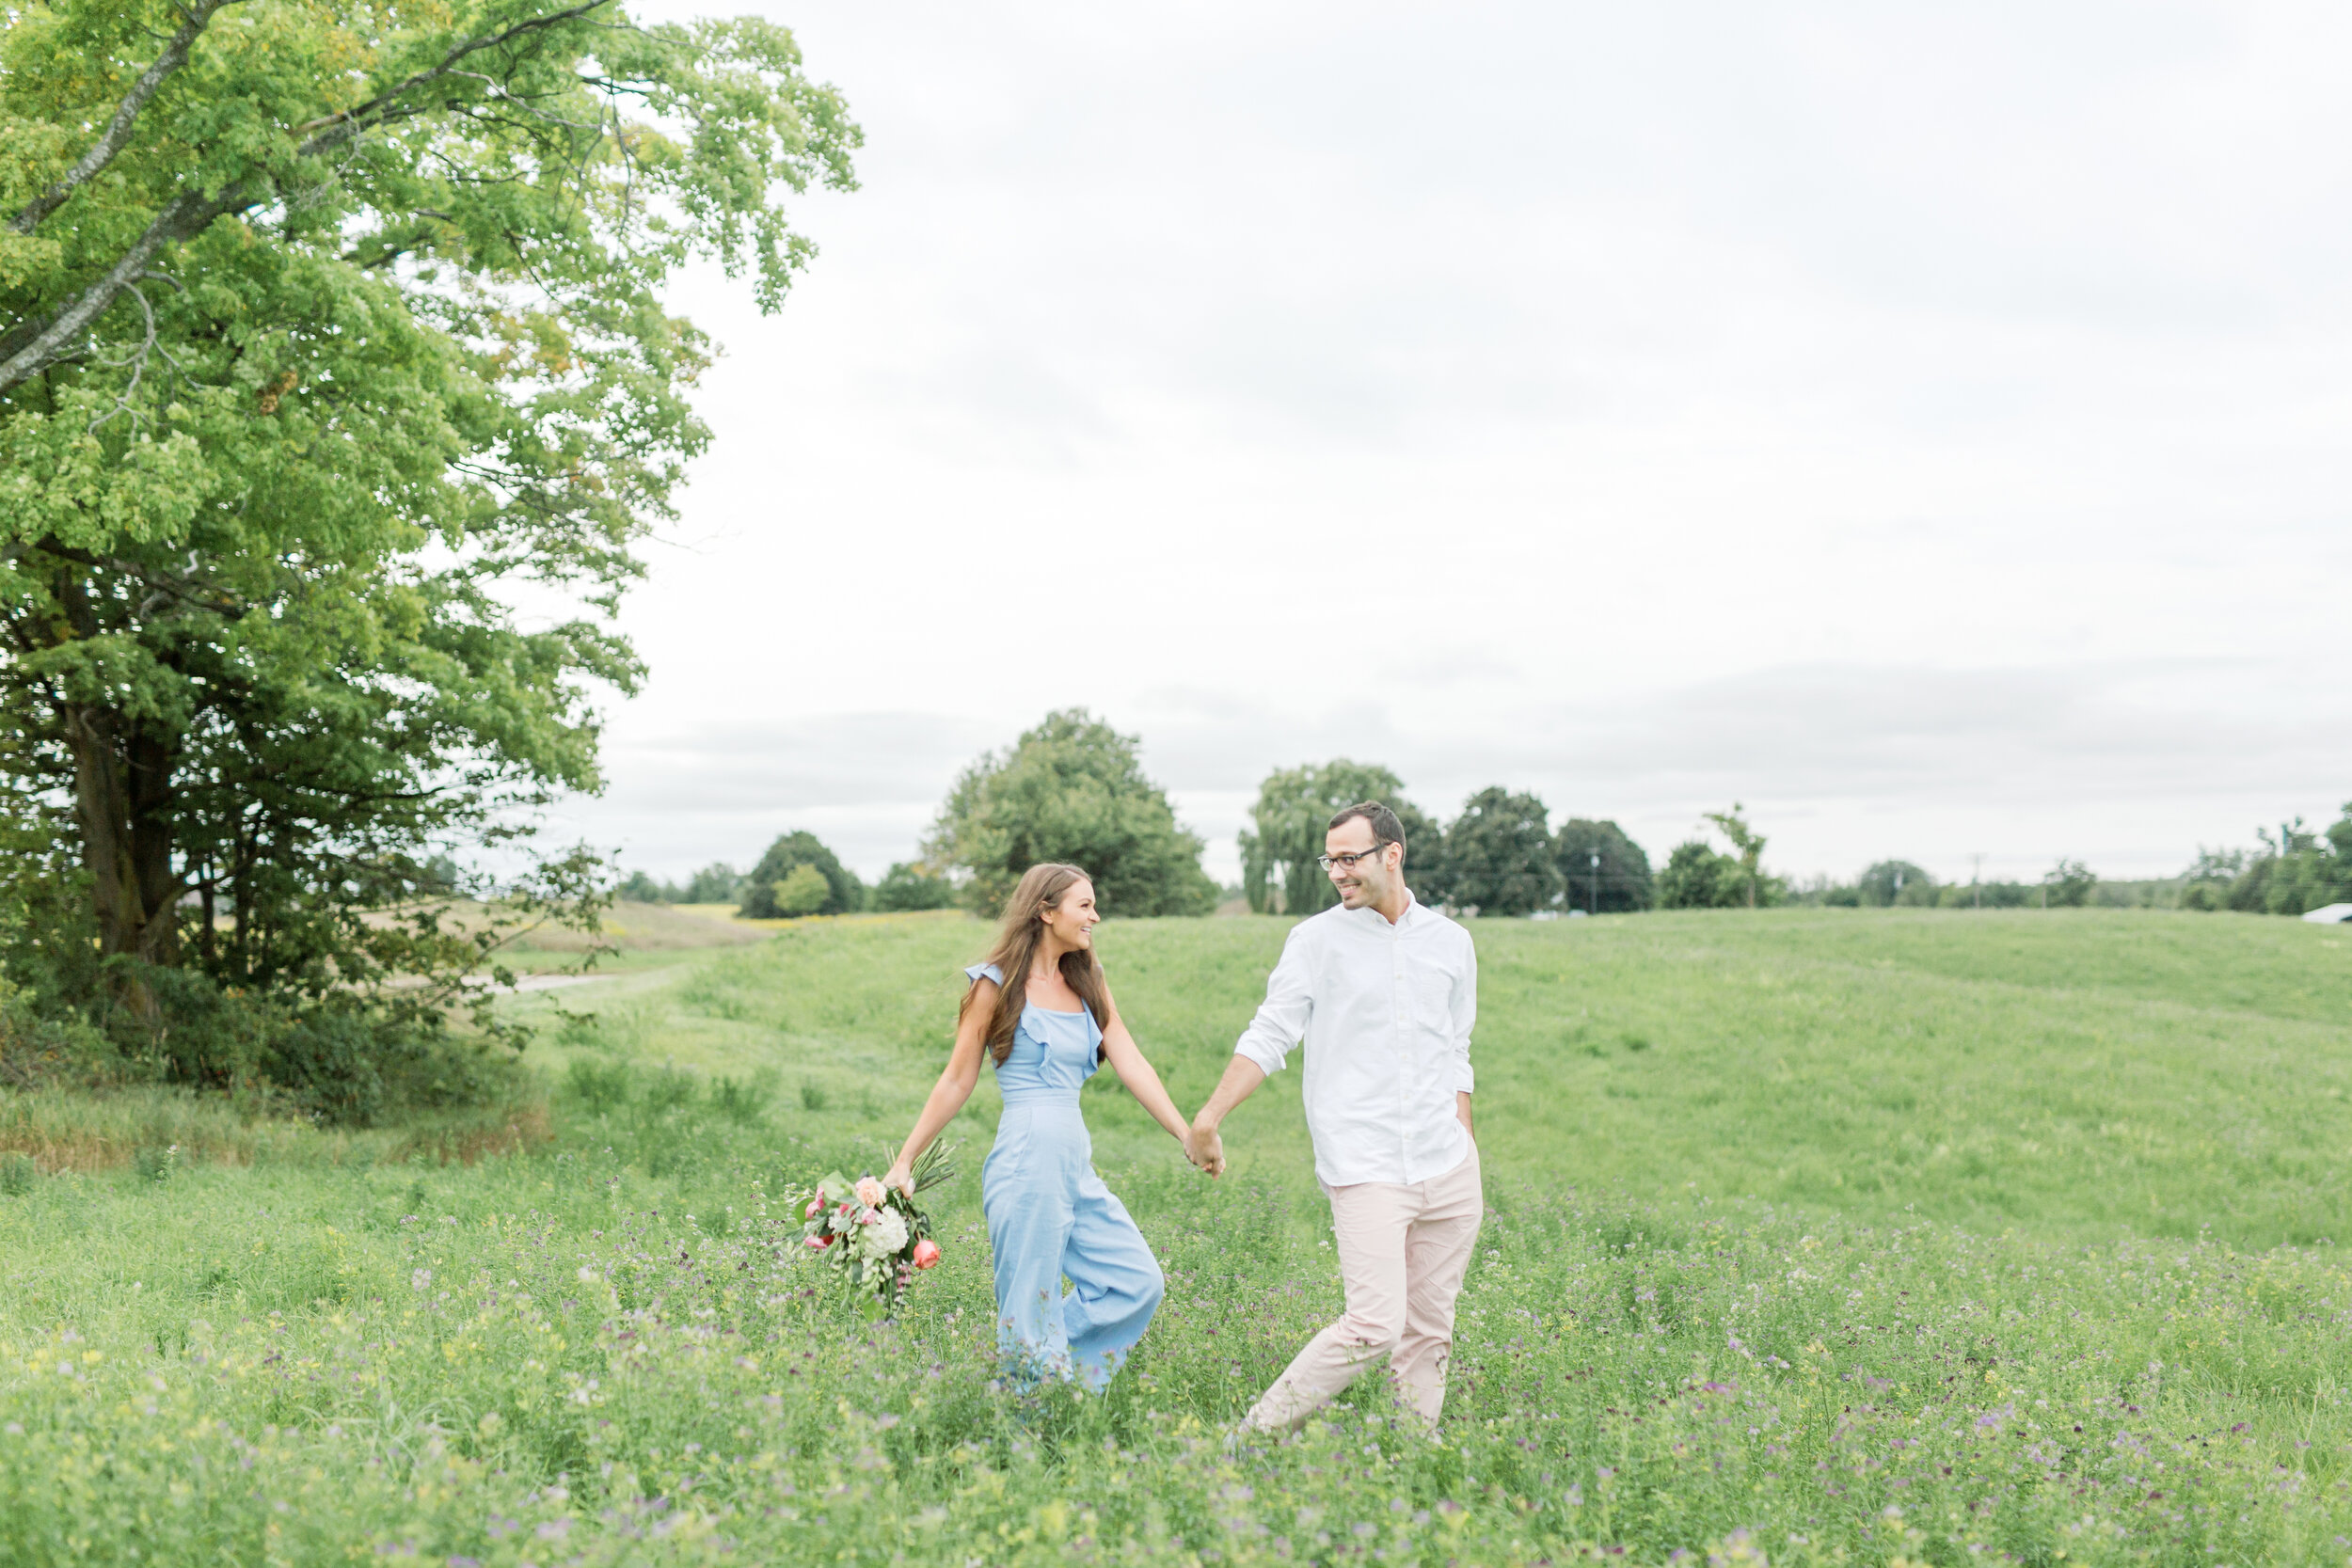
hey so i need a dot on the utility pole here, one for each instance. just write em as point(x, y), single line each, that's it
point(1595, 900)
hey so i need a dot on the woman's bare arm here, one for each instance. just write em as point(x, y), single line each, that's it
point(954, 1086)
point(1137, 1072)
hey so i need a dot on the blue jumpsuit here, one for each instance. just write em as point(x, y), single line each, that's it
point(1049, 1215)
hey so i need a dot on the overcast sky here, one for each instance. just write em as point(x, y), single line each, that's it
point(1925, 424)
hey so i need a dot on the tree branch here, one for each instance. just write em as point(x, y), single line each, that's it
point(219, 603)
point(137, 361)
point(117, 132)
point(359, 113)
point(31, 348)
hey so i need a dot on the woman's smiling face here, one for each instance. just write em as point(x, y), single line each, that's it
point(1075, 918)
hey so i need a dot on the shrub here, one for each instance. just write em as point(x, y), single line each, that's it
point(913, 886)
point(1891, 882)
point(62, 1048)
point(343, 1067)
point(2206, 897)
point(199, 1035)
point(339, 1060)
point(1696, 877)
point(331, 1063)
point(803, 890)
point(841, 892)
point(2069, 884)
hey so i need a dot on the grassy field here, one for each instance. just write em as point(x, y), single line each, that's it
point(1828, 1236)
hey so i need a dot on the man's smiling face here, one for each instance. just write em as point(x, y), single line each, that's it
point(1370, 881)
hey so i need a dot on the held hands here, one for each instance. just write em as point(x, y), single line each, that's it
point(1204, 1148)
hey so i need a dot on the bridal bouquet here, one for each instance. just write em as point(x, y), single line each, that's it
point(872, 1236)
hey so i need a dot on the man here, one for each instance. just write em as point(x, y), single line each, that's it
point(1383, 990)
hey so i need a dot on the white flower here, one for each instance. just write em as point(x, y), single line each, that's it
point(887, 1235)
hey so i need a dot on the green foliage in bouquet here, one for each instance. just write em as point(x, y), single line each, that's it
point(872, 1236)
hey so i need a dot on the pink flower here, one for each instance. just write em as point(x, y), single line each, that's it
point(870, 1191)
point(926, 1252)
point(867, 1216)
point(815, 1207)
point(821, 1242)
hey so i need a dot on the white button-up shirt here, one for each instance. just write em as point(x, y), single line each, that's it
point(1385, 1014)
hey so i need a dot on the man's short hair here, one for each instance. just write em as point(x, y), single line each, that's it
point(1385, 828)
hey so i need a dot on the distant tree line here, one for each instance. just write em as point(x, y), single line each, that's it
point(797, 875)
point(715, 883)
point(2292, 873)
point(1900, 884)
point(1072, 788)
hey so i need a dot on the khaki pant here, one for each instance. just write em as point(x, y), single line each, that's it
point(1402, 1252)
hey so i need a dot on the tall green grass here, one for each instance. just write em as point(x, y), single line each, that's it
point(1742, 1291)
point(54, 1128)
point(2069, 1074)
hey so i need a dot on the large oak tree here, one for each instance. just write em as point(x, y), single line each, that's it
point(330, 332)
point(1072, 789)
point(1499, 854)
point(1601, 869)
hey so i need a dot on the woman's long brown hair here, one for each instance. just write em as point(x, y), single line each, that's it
point(1018, 939)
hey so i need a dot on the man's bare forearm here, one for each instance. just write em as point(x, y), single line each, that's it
point(1241, 1080)
point(1461, 1109)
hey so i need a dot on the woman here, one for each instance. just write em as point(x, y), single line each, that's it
point(1040, 1010)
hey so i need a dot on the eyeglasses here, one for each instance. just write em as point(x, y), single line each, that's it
point(1347, 862)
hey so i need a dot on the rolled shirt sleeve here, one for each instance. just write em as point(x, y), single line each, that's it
point(1465, 1019)
point(1281, 1020)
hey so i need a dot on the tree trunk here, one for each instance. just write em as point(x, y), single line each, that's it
point(208, 935)
point(123, 794)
